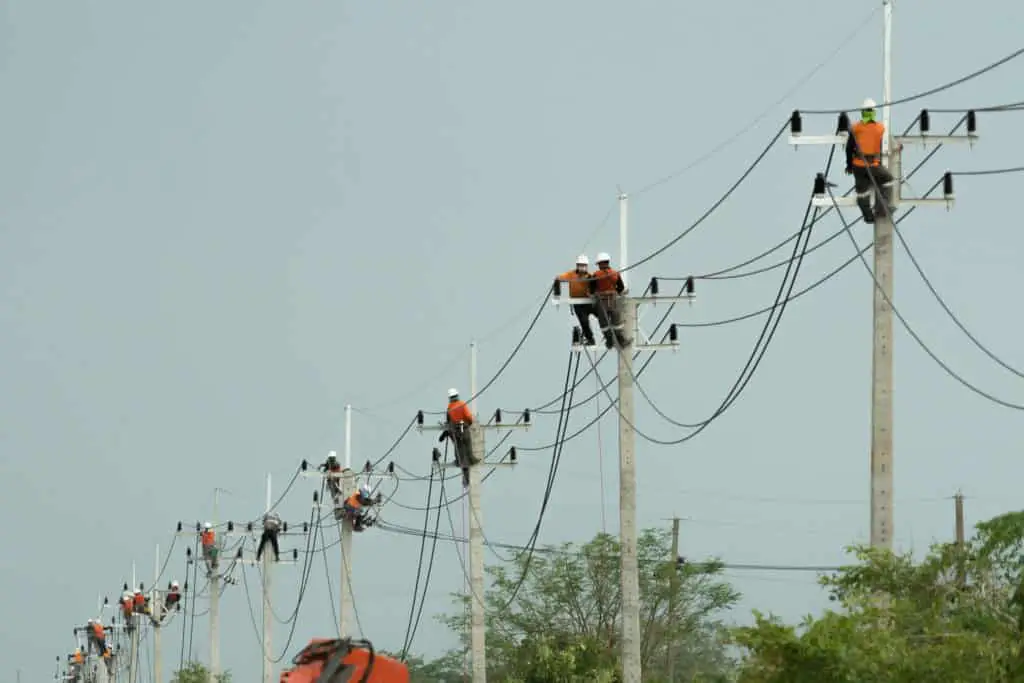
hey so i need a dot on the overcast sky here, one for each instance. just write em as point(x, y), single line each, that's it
point(221, 222)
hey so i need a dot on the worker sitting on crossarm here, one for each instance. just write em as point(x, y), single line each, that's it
point(271, 527)
point(332, 467)
point(606, 286)
point(108, 659)
point(140, 604)
point(75, 661)
point(459, 419)
point(173, 598)
point(355, 508)
point(209, 541)
point(579, 281)
point(864, 161)
point(126, 607)
point(97, 636)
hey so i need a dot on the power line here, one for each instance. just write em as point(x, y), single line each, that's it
point(932, 91)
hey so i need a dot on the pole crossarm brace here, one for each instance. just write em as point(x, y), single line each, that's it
point(923, 122)
point(822, 199)
point(512, 461)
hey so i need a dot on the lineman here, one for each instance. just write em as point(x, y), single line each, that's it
point(271, 526)
point(606, 285)
point(578, 280)
point(173, 598)
point(97, 636)
point(209, 540)
point(108, 659)
point(355, 508)
point(459, 419)
point(864, 161)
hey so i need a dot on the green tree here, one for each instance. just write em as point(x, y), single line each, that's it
point(956, 615)
point(194, 672)
point(563, 623)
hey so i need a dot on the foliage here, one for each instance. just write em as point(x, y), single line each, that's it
point(562, 624)
point(194, 672)
point(954, 616)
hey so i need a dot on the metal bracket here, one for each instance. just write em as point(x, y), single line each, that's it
point(825, 201)
point(834, 139)
point(558, 300)
point(926, 139)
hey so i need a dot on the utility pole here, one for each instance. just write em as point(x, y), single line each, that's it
point(882, 517)
point(636, 342)
point(268, 665)
point(674, 590)
point(215, 592)
point(478, 607)
point(961, 569)
point(156, 616)
point(348, 485)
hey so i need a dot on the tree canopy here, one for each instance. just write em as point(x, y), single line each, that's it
point(956, 615)
point(562, 623)
point(194, 672)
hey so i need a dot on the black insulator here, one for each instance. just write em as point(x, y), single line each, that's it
point(142, 588)
point(304, 465)
point(239, 554)
point(179, 526)
point(577, 336)
point(512, 454)
point(231, 526)
point(419, 417)
point(654, 286)
point(925, 122)
point(819, 184)
point(185, 587)
point(295, 554)
point(106, 601)
point(947, 184)
point(843, 124)
point(368, 467)
point(526, 416)
point(497, 416)
point(972, 122)
point(796, 124)
point(391, 467)
point(556, 288)
point(673, 333)
point(689, 285)
point(305, 527)
point(248, 527)
point(435, 455)
point(284, 527)
point(188, 553)
point(198, 527)
point(316, 497)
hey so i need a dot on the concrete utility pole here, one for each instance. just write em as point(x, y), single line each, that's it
point(478, 615)
point(215, 591)
point(348, 485)
point(156, 615)
point(630, 574)
point(882, 517)
point(133, 647)
point(674, 588)
point(960, 540)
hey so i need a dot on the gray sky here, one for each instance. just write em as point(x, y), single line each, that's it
point(222, 221)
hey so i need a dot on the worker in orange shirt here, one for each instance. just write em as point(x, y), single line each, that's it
point(139, 602)
point(355, 508)
point(126, 607)
point(98, 636)
point(209, 540)
point(606, 286)
point(864, 161)
point(459, 419)
point(579, 288)
point(329, 468)
point(173, 598)
point(77, 659)
point(108, 659)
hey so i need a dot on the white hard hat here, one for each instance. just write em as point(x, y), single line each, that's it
point(365, 490)
point(98, 622)
point(174, 584)
point(207, 526)
point(452, 393)
point(603, 258)
point(90, 621)
point(868, 104)
point(582, 260)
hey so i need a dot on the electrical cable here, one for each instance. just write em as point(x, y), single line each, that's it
point(993, 171)
point(419, 563)
point(411, 634)
point(760, 117)
point(391, 450)
point(907, 327)
point(926, 93)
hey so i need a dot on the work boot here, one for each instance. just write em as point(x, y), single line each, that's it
point(609, 341)
point(465, 477)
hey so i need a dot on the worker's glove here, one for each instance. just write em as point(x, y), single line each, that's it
point(444, 435)
point(849, 170)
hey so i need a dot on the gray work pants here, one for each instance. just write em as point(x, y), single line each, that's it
point(607, 308)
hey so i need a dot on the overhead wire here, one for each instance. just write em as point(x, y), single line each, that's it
point(931, 91)
point(415, 623)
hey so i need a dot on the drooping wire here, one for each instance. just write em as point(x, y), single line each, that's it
point(931, 91)
point(419, 563)
point(411, 634)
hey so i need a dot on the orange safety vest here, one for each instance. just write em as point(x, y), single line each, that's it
point(78, 658)
point(578, 284)
point(139, 600)
point(868, 135)
point(353, 501)
point(97, 631)
point(458, 412)
point(208, 538)
point(607, 279)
